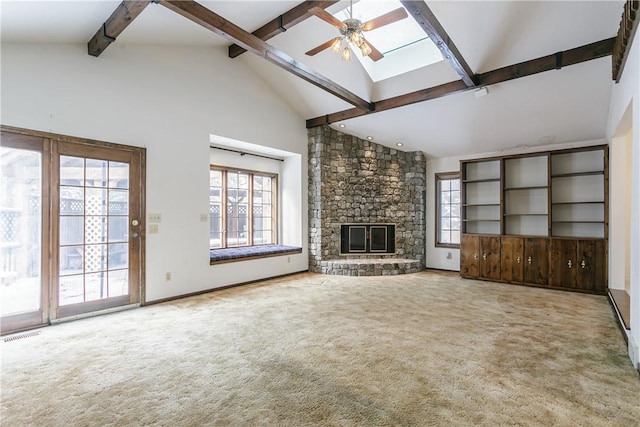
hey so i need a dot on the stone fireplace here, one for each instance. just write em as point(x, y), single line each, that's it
point(366, 206)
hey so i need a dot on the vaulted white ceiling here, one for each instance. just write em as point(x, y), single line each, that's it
point(556, 106)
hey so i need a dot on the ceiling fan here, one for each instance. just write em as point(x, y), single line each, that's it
point(351, 32)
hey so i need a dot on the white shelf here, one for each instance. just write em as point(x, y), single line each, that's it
point(577, 162)
point(482, 170)
point(526, 171)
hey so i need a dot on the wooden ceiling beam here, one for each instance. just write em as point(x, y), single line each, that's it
point(546, 63)
point(388, 104)
point(120, 19)
point(214, 22)
point(282, 23)
point(436, 32)
point(558, 60)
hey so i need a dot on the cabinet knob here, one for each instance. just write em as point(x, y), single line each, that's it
point(484, 256)
point(529, 260)
point(518, 260)
point(475, 256)
point(569, 264)
point(583, 264)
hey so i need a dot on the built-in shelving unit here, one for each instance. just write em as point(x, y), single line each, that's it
point(481, 197)
point(538, 219)
point(578, 182)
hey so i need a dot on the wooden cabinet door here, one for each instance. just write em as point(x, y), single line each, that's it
point(490, 258)
point(511, 262)
point(563, 263)
point(536, 261)
point(469, 255)
point(591, 268)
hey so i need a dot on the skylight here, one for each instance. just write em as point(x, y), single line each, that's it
point(404, 44)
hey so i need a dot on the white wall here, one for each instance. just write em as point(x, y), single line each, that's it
point(169, 100)
point(620, 175)
point(438, 257)
point(625, 105)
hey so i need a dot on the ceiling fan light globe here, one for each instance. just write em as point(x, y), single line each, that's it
point(365, 49)
point(346, 54)
point(336, 46)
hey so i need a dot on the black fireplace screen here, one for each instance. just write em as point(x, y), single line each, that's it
point(367, 238)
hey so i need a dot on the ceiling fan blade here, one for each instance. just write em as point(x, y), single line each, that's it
point(327, 17)
point(386, 19)
point(322, 47)
point(375, 54)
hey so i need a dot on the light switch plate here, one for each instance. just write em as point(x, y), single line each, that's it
point(204, 218)
point(153, 228)
point(155, 218)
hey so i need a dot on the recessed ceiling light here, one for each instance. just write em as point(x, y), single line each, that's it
point(370, 138)
point(342, 125)
point(399, 144)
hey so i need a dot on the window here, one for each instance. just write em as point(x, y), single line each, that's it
point(242, 207)
point(448, 209)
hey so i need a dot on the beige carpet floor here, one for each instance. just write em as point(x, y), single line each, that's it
point(311, 350)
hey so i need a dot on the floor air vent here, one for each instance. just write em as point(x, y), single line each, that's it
point(21, 336)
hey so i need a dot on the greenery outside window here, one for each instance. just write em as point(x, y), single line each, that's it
point(448, 209)
point(242, 208)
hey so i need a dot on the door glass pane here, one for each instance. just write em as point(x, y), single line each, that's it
point(71, 230)
point(71, 171)
point(71, 289)
point(118, 283)
point(94, 230)
point(118, 175)
point(96, 174)
point(20, 230)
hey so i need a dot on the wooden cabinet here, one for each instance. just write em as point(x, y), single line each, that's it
point(538, 219)
point(490, 258)
point(536, 261)
point(469, 255)
point(512, 259)
point(480, 256)
point(578, 264)
point(524, 260)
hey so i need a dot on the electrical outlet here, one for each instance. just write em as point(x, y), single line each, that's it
point(288, 259)
point(153, 228)
point(449, 255)
point(167, 276)
point(155, 218)
point(204, 217)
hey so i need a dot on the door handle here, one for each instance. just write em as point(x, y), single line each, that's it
point(135, 222)
point(475, 257)
point(569, 264)
point(583, 264)
point(518, 260)
point(529, 260)
point(484, 257)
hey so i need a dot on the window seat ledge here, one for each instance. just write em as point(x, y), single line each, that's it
point(219, 256)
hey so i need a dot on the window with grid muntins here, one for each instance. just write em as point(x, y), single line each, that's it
point(448, 209)
point(242, 208)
